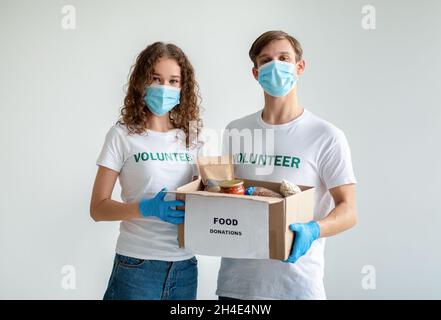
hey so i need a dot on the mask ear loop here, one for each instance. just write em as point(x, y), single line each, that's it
point(296, 77)
point(171, 115)
point(146, 109)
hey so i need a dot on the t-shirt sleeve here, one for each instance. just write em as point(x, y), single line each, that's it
point(112, 154)
point(335, 164)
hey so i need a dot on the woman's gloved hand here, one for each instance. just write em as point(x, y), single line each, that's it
point(162, 209)
point(304, 235)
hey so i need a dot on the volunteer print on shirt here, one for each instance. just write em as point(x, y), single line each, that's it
point(147, 163)
point(307, 151)
point(267, 160)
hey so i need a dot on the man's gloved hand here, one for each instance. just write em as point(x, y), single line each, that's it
point(304, 235)
point(162, 209)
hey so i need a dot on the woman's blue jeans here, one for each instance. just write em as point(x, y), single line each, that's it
point(138, 279)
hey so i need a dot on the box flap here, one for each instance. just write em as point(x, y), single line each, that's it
point(191, 186)
point(276, 224)
point(269, 200)
point(299, 208)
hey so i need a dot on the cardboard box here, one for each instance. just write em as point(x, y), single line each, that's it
point(236, 226)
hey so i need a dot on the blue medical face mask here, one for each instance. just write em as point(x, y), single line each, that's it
point(277, 78)
point(161, 99)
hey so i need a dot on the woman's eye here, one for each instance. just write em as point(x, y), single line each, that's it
point(173, 81)
point(156, 79)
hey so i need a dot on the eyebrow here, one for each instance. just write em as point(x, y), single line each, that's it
point(173, 76)
point(281, 52)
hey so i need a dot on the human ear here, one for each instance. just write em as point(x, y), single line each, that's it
point(300, 67)
point(255, 73)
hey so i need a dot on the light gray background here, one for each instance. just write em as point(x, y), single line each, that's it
point(61, 91)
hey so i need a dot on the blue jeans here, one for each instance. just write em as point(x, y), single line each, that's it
point(138, 279)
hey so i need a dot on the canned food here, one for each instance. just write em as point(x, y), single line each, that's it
point(232, 186)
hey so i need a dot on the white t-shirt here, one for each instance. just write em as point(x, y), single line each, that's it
point(146, 163)
point(306, 151)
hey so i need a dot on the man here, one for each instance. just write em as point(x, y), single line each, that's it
point(322, 160)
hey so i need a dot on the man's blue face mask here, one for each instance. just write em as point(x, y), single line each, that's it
point(277, 78)
point(161, 99)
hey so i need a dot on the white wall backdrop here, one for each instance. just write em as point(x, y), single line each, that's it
point(62, 89)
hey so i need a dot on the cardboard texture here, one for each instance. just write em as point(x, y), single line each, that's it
point(279, 212)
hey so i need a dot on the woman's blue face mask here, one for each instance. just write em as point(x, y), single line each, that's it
point(277, 78)
point(161, 99)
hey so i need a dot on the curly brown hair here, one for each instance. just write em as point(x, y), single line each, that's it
point(185, 116)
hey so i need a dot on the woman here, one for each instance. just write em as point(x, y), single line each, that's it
point(151, 151)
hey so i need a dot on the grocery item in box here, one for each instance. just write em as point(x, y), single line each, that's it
point(263, 192)
point(288, 188)
point(215, 168)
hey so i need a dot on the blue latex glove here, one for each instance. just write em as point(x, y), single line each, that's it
point(249, 191)
point(162, 209)
point(304, 235)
